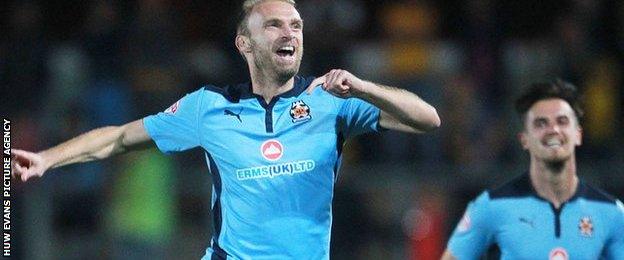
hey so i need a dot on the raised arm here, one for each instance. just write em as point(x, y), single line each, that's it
point(96, 144)
point(400, 109)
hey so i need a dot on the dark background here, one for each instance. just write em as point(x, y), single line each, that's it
point(70, 66)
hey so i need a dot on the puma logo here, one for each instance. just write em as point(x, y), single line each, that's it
point(527, 221)
point(228, 112)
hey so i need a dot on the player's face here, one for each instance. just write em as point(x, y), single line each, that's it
point(551, 131)
point(276, 37)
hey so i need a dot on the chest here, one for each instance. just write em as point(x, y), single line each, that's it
point(535, 230)
point(254, 133)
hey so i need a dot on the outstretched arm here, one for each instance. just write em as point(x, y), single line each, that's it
point(400, 109)
point(94, 145)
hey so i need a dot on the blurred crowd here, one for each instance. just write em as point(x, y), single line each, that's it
point(70, 66)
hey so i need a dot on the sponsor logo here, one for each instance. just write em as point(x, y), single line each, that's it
point(464, 223)
point(272, 171)
point(173, 108)
point(272, 150)
point(299, 111)
point(527, 221)
point(558, 253)
point(228, 112)
point(586, 227)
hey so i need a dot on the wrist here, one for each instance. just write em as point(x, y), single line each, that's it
point(365, 90)
point(46, 159)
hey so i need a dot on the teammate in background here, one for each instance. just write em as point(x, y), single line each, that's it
point(547, 212)
point(272, 145)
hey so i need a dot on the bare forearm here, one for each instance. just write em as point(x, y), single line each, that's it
point(93, 145)
point(96, 144)
point(402, 105)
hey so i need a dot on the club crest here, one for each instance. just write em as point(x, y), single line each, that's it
point(586, 227)
point(299, 111)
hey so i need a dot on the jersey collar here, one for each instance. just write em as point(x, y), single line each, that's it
point(234, 93)
point(521, 187)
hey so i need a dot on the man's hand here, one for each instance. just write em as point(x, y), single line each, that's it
point(400, 109)
point(27, 165)
point(339, 83)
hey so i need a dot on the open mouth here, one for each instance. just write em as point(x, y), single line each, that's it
point(552, 143)
point(286, 51)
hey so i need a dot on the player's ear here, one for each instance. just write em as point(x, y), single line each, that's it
point(523, 140)
point(243, 44)
point(579, 137)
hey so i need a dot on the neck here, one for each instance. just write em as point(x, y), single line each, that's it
point(269, 86)
point(555, 182)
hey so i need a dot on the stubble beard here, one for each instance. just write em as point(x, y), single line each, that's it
point(555, 166)
point(556, 163)
point(268, 69)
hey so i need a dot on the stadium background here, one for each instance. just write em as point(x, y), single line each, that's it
point(69, 66)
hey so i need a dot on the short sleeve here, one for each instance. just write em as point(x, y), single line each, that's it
point(473, 234)
point(359, 117)
point(614, 249)
point(175, 129)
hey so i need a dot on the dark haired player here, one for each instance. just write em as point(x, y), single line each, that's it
point(547, 213)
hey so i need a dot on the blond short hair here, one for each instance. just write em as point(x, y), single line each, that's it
point(248, 6)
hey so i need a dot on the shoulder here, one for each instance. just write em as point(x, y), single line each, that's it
point(318, 97)
point(605, 205)
point(477, 214)
point(483, 198)
point(602, 200)
point(480, 204)
point(301, 85)
point(232, 93)
point(592, 193)
point(304, 81)
point(518, 187)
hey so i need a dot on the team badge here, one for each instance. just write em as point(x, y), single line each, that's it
point(272, 150)
point(586, 227)
point(464, 223)
point(173, 108)
point(558, 253)
point(299, 111)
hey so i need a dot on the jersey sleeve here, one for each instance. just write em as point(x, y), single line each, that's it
point(473, 235)
point(614, 249)
point(358, 117)
point(175, 129)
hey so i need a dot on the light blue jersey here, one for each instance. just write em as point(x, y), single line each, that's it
point(273, 165)
point(524, 226)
